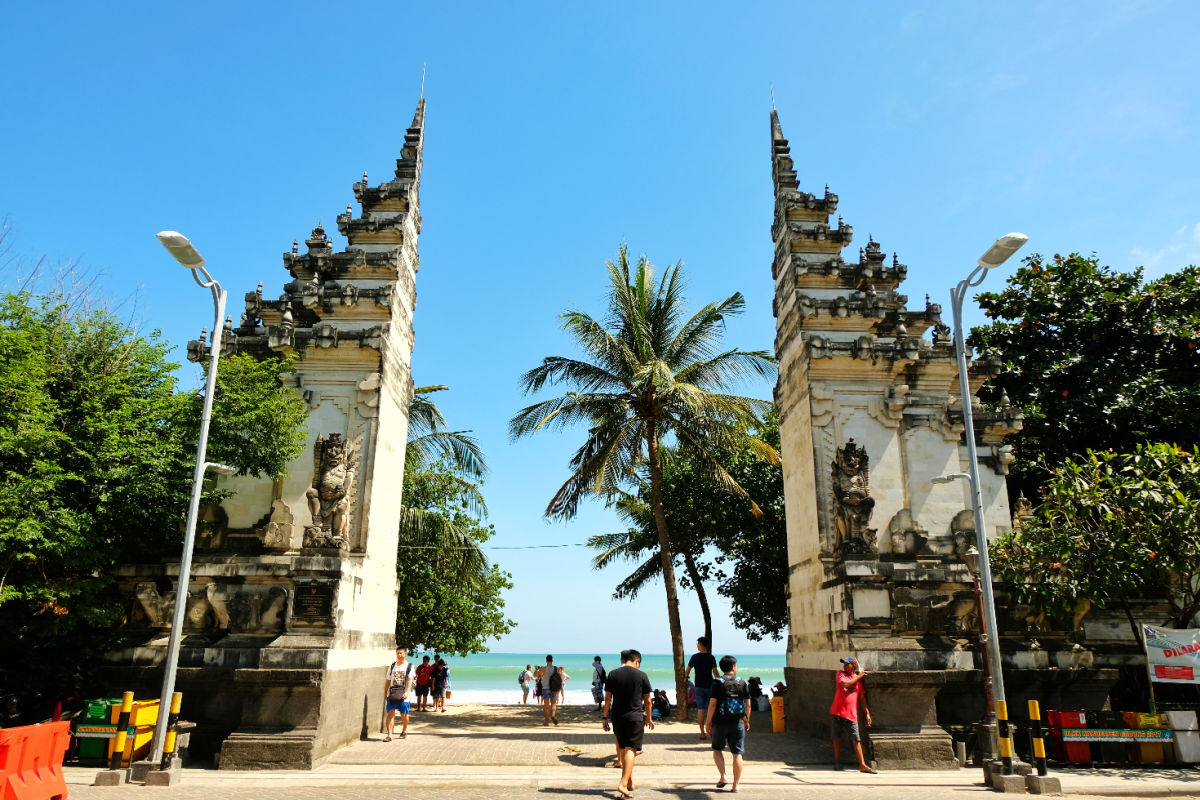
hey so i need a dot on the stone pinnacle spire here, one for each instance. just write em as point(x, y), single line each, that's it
point(781, 159)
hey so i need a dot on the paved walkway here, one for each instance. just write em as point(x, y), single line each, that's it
point(467, 756)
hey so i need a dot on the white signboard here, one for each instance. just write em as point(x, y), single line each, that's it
point(1173, 654)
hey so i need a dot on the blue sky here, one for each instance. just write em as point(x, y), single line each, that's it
point(555, 132)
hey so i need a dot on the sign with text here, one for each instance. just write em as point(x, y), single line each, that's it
point(1173, 654)
point(1116, 735)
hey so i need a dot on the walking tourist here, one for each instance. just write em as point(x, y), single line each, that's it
point(396, 687)
point(553, 680)
point(706, 669)
point(523, 679)
point(727, 720)
point(440, 678)
point(627, 705)
point(847, 697)
point(424, 684)
point(537, 684)
point(598, 677)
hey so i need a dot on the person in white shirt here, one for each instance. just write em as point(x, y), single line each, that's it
point(396, 688)
point(525, 677)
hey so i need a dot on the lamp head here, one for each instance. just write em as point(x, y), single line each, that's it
point(971, 559)
point(954, 476)
point(220, 469)
point(181, 249)
point(1004, 247)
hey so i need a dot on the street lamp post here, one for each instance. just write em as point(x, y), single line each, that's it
point(183, 252)
point(996, 255)
point(971, 559)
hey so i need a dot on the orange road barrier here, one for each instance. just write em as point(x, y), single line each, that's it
point(31, 760)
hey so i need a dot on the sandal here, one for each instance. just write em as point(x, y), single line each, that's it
point(721, 783)
point(387, 738)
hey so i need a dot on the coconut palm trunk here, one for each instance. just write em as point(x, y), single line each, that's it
point(689, 563)
point(667, 558)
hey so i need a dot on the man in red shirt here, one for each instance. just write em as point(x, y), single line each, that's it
point(423, 681)
point(844, 712)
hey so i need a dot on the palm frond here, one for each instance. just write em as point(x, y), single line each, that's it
point(430, 533)
point(462, 452)
point(637, 580)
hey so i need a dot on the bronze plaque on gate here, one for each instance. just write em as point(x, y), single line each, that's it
point(313, 602)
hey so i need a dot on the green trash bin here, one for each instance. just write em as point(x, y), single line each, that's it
point(93, 750)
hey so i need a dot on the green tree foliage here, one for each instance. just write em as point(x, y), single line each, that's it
point(1095, 358)
point(450, 595)
point(1111, 528)
point(97, 448)
point(444, 604)
point(750, 562)
point(650, 376)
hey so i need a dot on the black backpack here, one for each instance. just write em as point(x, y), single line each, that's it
point(555, 679)
point(733, 700)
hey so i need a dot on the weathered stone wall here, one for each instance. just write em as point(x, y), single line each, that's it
point(292, 605)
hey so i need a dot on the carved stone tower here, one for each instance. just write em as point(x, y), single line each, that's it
point(292, 606)
point(869, 414)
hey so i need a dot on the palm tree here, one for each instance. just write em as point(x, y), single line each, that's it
point(635, 543)
point(651, 377)
point(430, 447)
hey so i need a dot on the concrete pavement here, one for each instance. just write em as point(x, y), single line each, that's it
point(481, 754)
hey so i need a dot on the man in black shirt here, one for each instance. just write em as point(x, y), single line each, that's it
point(706, 669)
point(627, 704)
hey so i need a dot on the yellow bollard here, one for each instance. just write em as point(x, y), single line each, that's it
point(118, 745)
point(1039, 745)
point(172, 719)
point(1006, 750)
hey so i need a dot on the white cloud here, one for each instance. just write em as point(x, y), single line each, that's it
point(1182, 249)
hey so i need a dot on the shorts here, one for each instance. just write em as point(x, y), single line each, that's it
point(398, 705)
point(629, 732)
point(439, 691)
point(842, 725)
point(525, 689)
point(422, 691)
point(731, 733)
point(702, 698)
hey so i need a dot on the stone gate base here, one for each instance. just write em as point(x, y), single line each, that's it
point(910, 708)
point(267, 718)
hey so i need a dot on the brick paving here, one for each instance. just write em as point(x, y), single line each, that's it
point(523, 740)
point(507, 754)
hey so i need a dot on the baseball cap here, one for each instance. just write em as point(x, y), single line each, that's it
point(848, 660)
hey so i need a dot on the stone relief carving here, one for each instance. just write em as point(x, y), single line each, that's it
point(907, 537)
point(368, 396)
point(1022, 510)
point(154, 606)
point(331, 496)
point(277, 533)
point(211, 527)
point(216, 602)
point(962, 530)
point(853, 502)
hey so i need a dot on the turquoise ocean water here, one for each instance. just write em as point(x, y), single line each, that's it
point(492, 677)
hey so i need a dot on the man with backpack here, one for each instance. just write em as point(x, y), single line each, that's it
point(728, 720)
point(552, 686)
point(396, 689)
point(523, 680)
